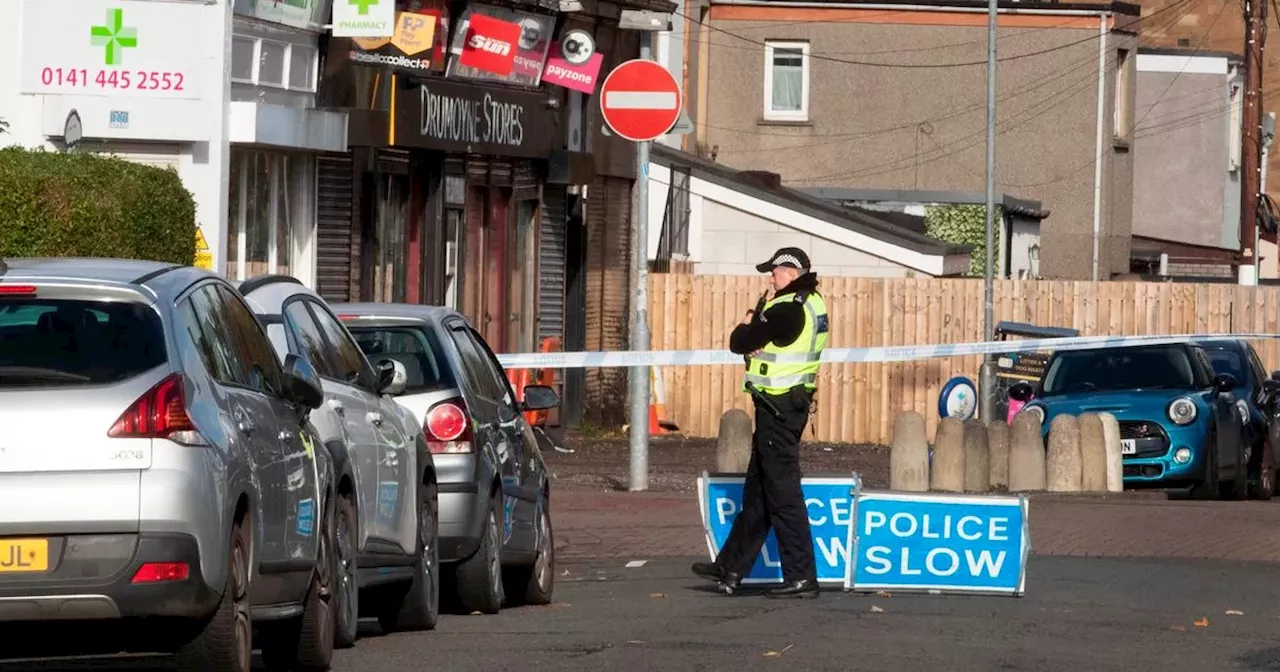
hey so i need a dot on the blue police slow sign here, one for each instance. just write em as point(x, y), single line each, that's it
point(940, 543)
point(829, 500)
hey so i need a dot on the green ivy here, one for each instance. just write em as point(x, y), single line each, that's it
point(963, 225)
point(79, 204)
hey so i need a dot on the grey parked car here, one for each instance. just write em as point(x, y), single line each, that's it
point(161, 490)
point(387, 532)
point(495, 492)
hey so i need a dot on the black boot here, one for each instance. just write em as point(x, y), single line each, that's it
point(710, 571)
point(804, 588)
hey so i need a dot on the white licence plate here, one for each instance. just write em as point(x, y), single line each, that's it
point(1128, 446)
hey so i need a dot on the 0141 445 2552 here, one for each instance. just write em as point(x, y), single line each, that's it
point(113, 79)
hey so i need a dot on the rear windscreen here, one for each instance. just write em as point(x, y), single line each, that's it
point(415, 348)
point(48, 342)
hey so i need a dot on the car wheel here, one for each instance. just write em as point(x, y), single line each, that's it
point(480, 576)
point(1238, 487)
point(536, 583)
point(346, 606)
point(418, 608)
point(225, 644)
point(306, 643)
point(1207, 489)
point(1264, 486)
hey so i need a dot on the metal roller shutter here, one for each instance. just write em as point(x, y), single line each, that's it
point(551, 263)
point(333, 227)
point(146, 153)
point(608, 293)
point(524, 183)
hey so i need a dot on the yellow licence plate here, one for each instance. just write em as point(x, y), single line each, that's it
point(24, 555)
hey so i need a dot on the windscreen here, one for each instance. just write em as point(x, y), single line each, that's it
point(1121, 369)
point(412, 347)
point(59, 342)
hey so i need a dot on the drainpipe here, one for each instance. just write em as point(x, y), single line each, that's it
point(1097, 157)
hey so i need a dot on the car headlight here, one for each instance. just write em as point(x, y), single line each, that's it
point(1036, 411)
point(1182, 411)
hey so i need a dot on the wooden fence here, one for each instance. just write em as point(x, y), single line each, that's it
point(856, 402)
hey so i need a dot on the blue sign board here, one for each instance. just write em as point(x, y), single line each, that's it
point(940, 543)
point(830, 504)
point(958, 398)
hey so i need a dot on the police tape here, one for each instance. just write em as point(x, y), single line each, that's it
point(872, 355)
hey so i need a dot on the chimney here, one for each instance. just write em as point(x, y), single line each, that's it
point(762, 178)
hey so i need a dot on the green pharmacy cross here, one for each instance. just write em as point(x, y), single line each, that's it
point(362, 6)
point(115, 37)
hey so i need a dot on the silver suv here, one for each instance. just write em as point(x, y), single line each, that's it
point(387, 534)
point(495, 491)
point(161, 488)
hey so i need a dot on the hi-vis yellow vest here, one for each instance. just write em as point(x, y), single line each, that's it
point(777, 369)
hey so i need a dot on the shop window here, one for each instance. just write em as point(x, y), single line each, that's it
point(390, 239)
point(269, 195)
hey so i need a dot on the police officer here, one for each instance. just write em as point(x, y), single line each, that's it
point(783, 341)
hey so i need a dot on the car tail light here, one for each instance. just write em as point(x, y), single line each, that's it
point(17, 290)
point(448, 428)
point(160, 413)
point(157, 572)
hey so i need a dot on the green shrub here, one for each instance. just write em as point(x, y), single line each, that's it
point(964, 225)
point(79, 204)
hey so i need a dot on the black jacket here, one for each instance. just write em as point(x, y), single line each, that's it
point(781, 324)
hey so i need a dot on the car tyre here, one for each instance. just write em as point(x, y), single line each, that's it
point(1264, 486)
point(1238, 488)
point(480, 576)
point(346, 603)
point(1208, 489)
point(306, 643)
point(418, 608)
point(225, 644)
point(536, 583)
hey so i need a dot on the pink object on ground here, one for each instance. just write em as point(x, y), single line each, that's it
point(1014, 407)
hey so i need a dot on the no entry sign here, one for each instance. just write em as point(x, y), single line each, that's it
point(640, 100)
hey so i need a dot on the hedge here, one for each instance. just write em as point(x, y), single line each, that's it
point(80, 204)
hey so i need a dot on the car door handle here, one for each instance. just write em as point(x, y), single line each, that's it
point(245, 427)
point(285, 435)
point(375, 417)
point(337, 406)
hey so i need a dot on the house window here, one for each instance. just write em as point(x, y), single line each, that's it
point(242, 49)
point(786, 81)
point(272, 63)
point(1122, 121)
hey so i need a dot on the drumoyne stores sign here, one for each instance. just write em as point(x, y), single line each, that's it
point(450, 116)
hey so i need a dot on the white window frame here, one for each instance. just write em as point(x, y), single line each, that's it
point(786, 115)
point(255, 78)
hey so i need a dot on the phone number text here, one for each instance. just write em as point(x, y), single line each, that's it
point(134, 80)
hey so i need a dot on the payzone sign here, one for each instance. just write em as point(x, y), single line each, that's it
point(122, 48)
point(940, 543)
point(830, 505)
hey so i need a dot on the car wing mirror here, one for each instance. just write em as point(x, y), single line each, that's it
point(539, 398)
point(302, 384)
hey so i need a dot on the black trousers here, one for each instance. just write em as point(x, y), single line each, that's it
point(771, 496)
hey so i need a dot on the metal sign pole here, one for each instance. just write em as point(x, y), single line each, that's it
point(987, 379)
point(639, 443)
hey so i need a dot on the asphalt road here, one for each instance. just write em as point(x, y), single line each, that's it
point(1079, 614)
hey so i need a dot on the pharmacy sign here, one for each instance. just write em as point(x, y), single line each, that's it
point(364, 18)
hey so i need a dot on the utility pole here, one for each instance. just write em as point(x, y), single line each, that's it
point(1255, 16)
point(987, 379)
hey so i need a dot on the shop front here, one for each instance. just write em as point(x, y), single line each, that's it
point(480, 154)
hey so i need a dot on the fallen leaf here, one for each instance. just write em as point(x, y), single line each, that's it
point(635, 641)
point(1234, 612)
point(1178, 628)
point(771, 654)
point(1201, 623)
point(477, 613)
point(883, 593)
point(657, 596)
point(876, 610)
point(564, 573)
point(636, 563)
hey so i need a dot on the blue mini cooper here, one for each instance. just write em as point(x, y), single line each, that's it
point(1180, 423)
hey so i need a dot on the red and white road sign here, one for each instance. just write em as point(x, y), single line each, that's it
point(640, 100)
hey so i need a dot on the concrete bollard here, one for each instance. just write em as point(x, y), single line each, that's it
point(1026, 454)
point(909, 454)
point(977, 458)
point(946, 474)
point(1115, 466)
point(733, 444)
point(1093, 454)
point(998, 453)
point(1062, 460)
